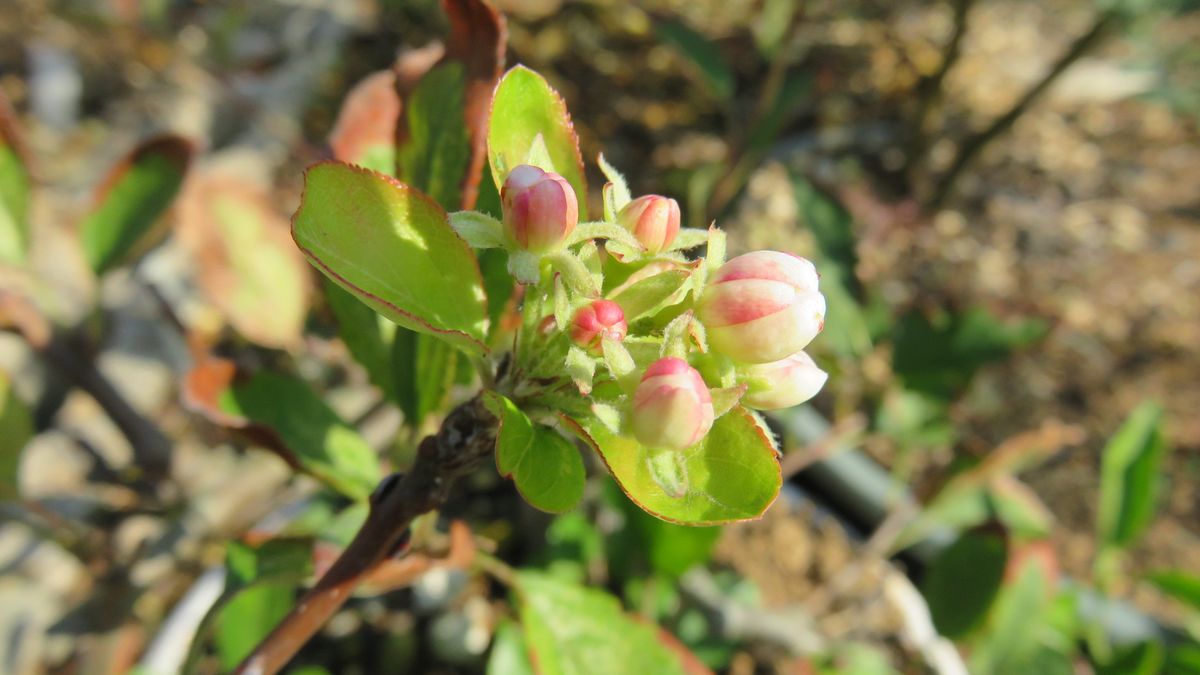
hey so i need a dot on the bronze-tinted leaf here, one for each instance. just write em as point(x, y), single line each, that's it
point(248, 266)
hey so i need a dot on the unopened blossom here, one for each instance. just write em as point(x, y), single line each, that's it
point(783, 383)
point(762, 306)
point(540, 208)
point(672, 407)
point(596, 321)
point(653, 219)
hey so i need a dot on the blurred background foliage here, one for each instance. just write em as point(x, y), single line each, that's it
point(1000, 196)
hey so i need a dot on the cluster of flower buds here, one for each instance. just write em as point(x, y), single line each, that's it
point(759, 311)
point(540, 208)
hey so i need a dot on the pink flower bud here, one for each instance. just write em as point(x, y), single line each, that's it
point(654, 220)
point(762, 306)
point(540, 209)
point(599, 320)
point(672, 407)
point(783, 383)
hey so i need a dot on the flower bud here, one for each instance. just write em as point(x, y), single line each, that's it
point(654, 220)
point(672, 407)
point(601, 319)
point(540, 209)
point(783, 383)
point(762, 306)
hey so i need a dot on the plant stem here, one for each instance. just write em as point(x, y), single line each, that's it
point(466, 438)
point(971, 147)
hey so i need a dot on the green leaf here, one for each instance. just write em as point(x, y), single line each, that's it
point(247, 619)
point(323, 444)
point(1017, 636)
point(393, 248)
point(367, 335)
point(963, 581)
point(1184, 659)
point(1180, 585)
point(940, 357)
point(573, 630)
point(423, 371)
point(509, 656)
point(832, 227)
point(1129, 477)
point(16, 428)
point(435, 157)
point(260, 589)
point(731, 475)
point(846, 331)
point(706, 57)
point(524, 106)
point(14, 190)
point(1145, 658)
point(545, 467)
point(647, 296)
point(137, 191)
point(478, 229)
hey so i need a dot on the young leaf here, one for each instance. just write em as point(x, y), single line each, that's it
point(545, 467)
point(435, 156)
point(571, 629)
point(14, 189)
point(1129, 477)
point(964, 580)
point(732, 475)
point(248, 266)
point(523, 107)
point(393, 248)
point(705, 56)
point(322, 443)
point(618, 196)
point(365, 131)
point(247, 618)
point(16, 428)
point(478, 229)
point(136, 192)
point(647, 296)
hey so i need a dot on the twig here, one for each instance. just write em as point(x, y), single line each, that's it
point(930, 91)
point(151, 447)
point(466, 438)
point(971, 147)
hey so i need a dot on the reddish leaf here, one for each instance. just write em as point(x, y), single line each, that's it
point(248, 266)
point(366, 125)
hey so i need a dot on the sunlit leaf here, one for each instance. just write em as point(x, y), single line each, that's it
point(1181, 585)
point(523, 107)
point(1129, 477)
point(545, 467)
point(574, 630)
point(509, 655)
point(132, 198)
point(393, 248)
point(731, 475)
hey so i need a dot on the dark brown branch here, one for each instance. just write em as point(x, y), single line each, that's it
point(971, 147)
point(151, 448)
point(467, 437)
